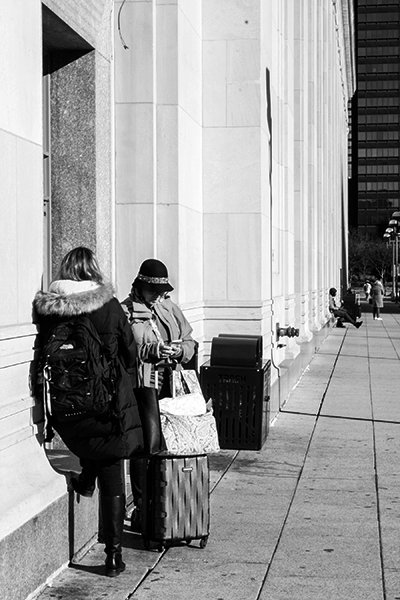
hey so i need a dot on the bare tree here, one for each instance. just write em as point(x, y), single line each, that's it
point(358, 256)
point(368, 257)
point(380, 257)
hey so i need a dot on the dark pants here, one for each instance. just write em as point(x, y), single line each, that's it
point(137, 469)
point(149, 412)
point(376, 311)
point(341, 313)
point(109, 475)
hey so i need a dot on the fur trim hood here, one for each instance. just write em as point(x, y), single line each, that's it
point(71, 298)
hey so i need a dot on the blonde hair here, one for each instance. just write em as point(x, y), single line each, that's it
point(80, 264)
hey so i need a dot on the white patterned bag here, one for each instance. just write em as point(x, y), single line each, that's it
point(189, 404)
point(190, 434)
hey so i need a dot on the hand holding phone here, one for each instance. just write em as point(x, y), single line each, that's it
point(171, 349)
point(176, 347)
point(166, 350)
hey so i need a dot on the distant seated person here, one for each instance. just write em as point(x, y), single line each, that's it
point(340, 312)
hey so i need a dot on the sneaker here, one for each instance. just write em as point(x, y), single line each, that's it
point(358, 325)
point(378, 319)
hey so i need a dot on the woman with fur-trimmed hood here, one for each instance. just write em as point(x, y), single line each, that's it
point(101, 442)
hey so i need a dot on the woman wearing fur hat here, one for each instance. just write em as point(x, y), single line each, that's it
point(101, 442)
point(162, 333)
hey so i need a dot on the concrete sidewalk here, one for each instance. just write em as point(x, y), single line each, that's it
point(314, 515)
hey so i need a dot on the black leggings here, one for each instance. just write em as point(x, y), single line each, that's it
point(109, 474)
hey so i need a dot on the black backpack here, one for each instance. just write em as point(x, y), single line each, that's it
point(77, 379)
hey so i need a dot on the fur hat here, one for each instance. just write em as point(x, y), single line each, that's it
point(153, 276)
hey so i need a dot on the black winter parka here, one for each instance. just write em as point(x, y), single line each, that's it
point(118, 434)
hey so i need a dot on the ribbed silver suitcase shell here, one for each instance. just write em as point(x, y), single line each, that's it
point(176, 500)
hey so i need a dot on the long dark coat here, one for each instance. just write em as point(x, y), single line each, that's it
point(377, 293)
point(117, 434)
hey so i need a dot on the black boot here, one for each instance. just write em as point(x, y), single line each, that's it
point(113, 512)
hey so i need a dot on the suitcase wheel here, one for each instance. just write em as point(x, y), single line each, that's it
point(203, 542)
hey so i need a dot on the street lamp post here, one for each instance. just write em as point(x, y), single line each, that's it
point(395, 220)
point(392, 233)
point(394, 225)
point(390, 237)
point(396, 262)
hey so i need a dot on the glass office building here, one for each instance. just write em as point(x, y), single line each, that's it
point(375, 183)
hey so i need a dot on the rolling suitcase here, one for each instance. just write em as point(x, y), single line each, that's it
point(176, 505)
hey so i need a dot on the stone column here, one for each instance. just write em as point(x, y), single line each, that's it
point(158, 147)
point(236, 160)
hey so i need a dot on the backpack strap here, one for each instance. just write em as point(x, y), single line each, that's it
point(48, 429)
point(86, 322)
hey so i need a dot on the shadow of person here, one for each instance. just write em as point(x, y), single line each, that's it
point(94, 569)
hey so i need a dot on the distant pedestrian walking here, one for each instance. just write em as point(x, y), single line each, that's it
point(377, 293)
point(367, 289)
point(341, 313)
